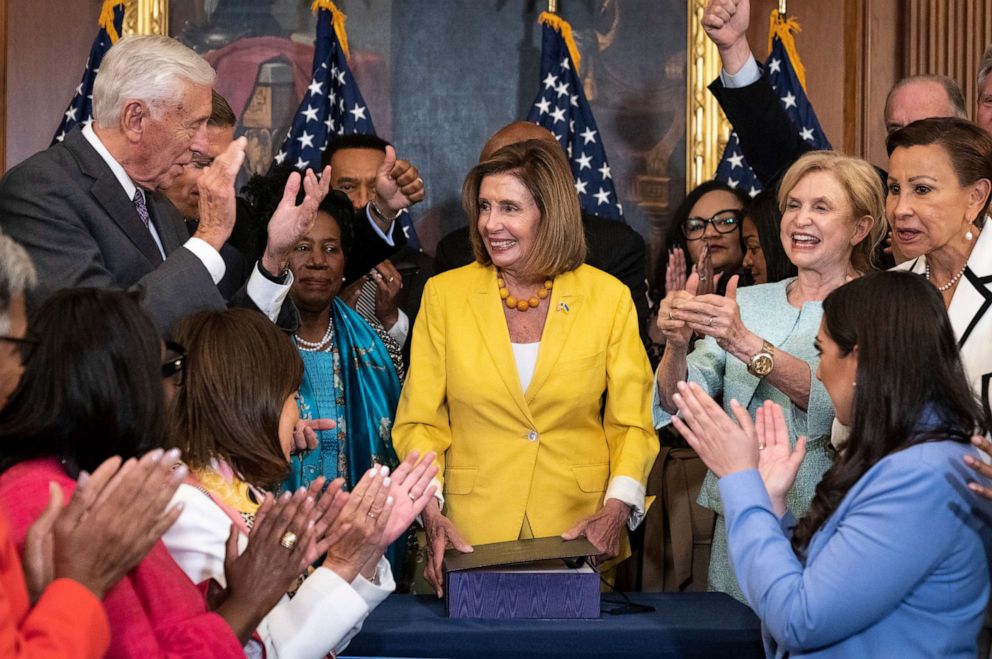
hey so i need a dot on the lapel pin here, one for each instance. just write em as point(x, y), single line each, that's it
point(563, 307)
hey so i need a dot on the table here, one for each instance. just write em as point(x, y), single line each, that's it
point(682, 625)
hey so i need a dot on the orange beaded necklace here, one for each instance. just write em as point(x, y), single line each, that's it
point(522, 305)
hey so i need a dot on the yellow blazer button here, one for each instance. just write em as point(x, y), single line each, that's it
point(532, 435)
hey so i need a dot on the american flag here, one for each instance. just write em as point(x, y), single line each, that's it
point(781, 69)
point(332, 105)
point(561, 107)
point(80, 110)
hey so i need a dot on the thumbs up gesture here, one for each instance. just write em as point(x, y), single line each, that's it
point(397, 185)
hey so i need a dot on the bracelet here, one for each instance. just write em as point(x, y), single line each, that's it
point(381, 214)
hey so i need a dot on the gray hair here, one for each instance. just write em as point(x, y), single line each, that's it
point(984, 69)
point(17, 275)
point(146, 68)
point(954, 94)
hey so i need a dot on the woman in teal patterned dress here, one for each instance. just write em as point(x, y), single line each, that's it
point(757, 343)
point(350, 376)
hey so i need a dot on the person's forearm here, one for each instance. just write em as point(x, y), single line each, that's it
point(242, 616)
point(671, 370)
point(734, 57)
point(791, 375)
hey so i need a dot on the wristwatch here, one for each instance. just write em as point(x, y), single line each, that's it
point(763, 361)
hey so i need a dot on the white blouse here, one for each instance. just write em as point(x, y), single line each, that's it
point(525, 354)
point(323, 616)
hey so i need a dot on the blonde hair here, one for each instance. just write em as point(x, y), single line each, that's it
point(864, 192)
point(560, 244)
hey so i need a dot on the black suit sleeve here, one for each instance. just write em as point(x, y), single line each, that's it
point(368, 248)
point(617, 249)
point(453, 251)
point(769, 139)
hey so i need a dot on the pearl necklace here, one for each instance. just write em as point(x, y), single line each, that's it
point(309, 346)
point(950, 283)
point(522, 305)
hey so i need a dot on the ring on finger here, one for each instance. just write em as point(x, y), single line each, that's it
point(670, 316)
point(413, 497)
point(372, 514)
point(710, 321)
point(761, 446)
point(288, 540)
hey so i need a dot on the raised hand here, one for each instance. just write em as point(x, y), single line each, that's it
point(981, 467)
point(355, 540)
point(725, 446)
point(677, 332)
point(726, 21)
point(707, 277)
point(675, 276)
point(441, 534)
point(397, 185)
point(718, 316)
point(218, 205)
point(778, 462)
point(388, 282)
point(115, 516)
point(292, 221)
point(411, 490)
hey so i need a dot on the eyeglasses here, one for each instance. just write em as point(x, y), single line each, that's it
point(24, 345)
point(725, 221)
point(175, 362)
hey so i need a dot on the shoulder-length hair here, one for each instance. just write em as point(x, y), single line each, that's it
point(541, 167)
point(92, 386)
point(240, 369)
point(968, 147)
point(864, 192)
point(890, 316)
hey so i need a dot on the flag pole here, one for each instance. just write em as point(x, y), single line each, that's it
point(552, 6)
point(782, 7)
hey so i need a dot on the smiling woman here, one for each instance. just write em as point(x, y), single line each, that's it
point(758, 343)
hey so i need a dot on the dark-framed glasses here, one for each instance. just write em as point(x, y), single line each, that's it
point(175, 362)
point(725, 221)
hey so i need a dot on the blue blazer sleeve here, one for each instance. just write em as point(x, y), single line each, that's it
point(872, 556)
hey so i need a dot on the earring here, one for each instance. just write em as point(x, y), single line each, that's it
point(969, 235)
point(854, 384)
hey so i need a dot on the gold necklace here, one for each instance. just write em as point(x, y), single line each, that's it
point(522, 305)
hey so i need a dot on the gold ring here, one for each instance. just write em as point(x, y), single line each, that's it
point(288, 540)
point(710, 323)
point(670, 316)
point(371, 514)
point(391, 278)
point(761, 446)
point(412, 498)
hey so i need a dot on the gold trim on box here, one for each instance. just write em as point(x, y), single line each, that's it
point(706, 128)
point(146, 17)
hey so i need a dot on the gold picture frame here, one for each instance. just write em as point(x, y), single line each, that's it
point(706, 128)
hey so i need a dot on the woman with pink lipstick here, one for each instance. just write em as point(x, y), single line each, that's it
point(528, 377)
point(758, 342)
point(940, 177)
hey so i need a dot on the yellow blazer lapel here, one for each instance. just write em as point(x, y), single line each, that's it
point(565, 311)
point(487, 308)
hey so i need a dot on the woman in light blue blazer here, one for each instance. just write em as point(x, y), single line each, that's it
point(892, 558)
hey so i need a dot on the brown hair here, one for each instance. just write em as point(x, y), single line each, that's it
point(221, 113)
point(541, 167)
point(240, 368)
point(968, 147)
point(864, 192)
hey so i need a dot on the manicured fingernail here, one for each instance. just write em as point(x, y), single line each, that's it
point(977, 441)
point(384, 470)
point(180, 472)
point(285, 496)
point(373, 472)
point(173, 454)
point(974, 487)
point(389, 500)
point(156, 455)
point(676, 397)
point(970, 460)
point(386, 481)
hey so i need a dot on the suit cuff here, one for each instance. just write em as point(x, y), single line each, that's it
point(268, 295)
point(376, 591)
point(209, 256)
point(748, 75)
point(629, 491)
point(400, 329)
point(388, 239)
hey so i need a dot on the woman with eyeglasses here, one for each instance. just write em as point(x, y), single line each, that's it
point(757, 344)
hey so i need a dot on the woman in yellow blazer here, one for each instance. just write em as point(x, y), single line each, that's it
point(528, 377)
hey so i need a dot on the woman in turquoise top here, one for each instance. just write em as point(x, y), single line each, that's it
point(349, 375)
point(757, 344)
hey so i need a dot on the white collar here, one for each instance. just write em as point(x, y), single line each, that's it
point(115, 167)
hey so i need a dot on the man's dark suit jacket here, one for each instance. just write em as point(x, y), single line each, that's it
point(613, 247)
point(69, 211)
point(769, 140)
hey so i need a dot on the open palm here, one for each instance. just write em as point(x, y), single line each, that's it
point(778, 462)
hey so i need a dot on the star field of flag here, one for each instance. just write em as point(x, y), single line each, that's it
point(561, 107)
point(80, 110)
point(733, 169)
point(332, 105)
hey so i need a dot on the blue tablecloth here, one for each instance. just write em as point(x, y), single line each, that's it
point(682, 625)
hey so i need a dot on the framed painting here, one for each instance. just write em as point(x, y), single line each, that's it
point(440, 77)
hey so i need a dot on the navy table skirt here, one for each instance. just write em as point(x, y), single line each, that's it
point(682, 625)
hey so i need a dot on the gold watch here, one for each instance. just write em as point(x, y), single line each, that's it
point(763, 361)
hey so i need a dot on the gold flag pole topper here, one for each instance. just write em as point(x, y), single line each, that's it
point(552, 6)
